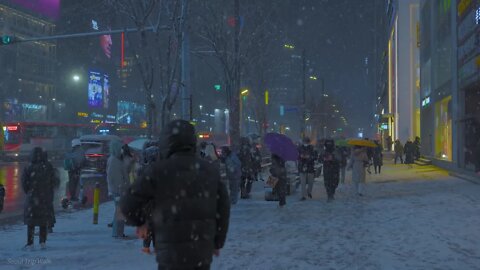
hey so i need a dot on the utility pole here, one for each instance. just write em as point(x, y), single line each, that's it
point(324, 112)
point(304, 89)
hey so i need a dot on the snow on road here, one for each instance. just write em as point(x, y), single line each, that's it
point(424, 224)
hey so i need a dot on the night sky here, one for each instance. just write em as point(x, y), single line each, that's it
point(338, 36)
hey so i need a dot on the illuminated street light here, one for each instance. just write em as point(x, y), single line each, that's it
point(289, 46)
point(313, 78)
point(76, 78)
point(244, 92)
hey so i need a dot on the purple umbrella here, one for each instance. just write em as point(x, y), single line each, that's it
point(281, 146)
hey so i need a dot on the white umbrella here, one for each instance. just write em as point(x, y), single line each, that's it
point(138, 144)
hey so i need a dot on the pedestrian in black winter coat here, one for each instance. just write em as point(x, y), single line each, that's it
point(56, 185)
point(279, 171)
point(246, 158)
point(38, 183)
point(378, 157)
point(409, 152)
point(191, 207)
point(477, 157)
point(331, 169)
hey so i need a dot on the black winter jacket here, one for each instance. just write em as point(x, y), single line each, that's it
point(39, 182)
point(306, 161)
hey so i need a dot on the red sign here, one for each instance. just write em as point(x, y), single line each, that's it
point(12, 128)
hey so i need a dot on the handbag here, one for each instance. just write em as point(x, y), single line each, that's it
point(272, 181)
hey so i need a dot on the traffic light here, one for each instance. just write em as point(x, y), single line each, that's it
point(6, 40)
point(217, 87)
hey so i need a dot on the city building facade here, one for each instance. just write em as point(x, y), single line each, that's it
point(28, 82)
point(398, 99)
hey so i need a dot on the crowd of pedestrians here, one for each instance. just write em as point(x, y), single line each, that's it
point(173, 192)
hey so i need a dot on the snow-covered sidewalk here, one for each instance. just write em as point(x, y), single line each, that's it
point(430, 223)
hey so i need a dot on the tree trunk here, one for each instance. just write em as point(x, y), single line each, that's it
point(235, 106)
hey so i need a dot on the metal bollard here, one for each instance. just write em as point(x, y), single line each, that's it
point(96, 202)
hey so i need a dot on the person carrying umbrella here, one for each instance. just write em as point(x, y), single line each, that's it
point(282, 149)
point(358, 163)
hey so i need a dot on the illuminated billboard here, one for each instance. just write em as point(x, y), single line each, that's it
point(131, 113)
point(106, 91)
point(48, 8)
point(98, 90)
point(95, 89)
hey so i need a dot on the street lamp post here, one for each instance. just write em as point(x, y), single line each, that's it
point(243, 95)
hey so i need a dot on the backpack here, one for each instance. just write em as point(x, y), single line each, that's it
point(69, 162)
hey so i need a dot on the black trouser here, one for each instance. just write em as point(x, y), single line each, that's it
point(31, 231)
point(2, 197)
point(203, 267)
point(281, 190)
point(379, 168)
point(245, 185)
point(73, 179)
point(398, 156)
point(331, 184)
point(150, 239)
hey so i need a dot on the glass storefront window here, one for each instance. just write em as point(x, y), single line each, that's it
point(443, 129)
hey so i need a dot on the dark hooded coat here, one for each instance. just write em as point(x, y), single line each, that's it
point(39, 181)
point(191, 207)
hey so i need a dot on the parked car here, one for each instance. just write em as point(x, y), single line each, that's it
point(96, 153)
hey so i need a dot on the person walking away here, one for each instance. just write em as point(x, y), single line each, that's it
point(399, 150)
point(331, 169)
point(417, 146)
point(191, 209)
point(319, 152)
point(257, 162)
point(151, 154)
point(203, 145)
point(378, 157)
point(370, 151)
point(409, 153)
point(211, 156)
point(306, 168)
point(279, 171)
point(358, 163)
point(344, 154)
point(477, 158)
point(246, 158)
point(389, 143)
point(38, 183)
point(2, 197)
point(73, 163)
point(233, 169)
point(117, 180)
point(128, 162)
point(56, 184)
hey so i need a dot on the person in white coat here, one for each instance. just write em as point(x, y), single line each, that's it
point(118, 182)
point(358, 163)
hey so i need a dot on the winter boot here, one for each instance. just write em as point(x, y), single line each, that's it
point(28, 247)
